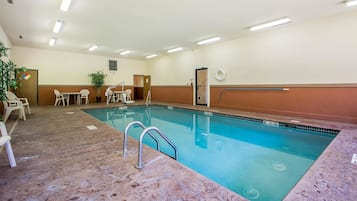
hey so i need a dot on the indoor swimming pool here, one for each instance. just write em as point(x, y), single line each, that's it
point(260, 160)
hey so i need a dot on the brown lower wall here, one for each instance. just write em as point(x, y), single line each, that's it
point(46, 95)
point(327, 102)
point(173, 94)
point(318, 102)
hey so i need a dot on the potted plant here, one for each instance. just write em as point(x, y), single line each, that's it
point(8, 73)
point(98, 82)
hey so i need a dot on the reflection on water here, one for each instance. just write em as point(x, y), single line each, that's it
point(201, 128)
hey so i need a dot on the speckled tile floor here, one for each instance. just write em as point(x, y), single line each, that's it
point(58, 158)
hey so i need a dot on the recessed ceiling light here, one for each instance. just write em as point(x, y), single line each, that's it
point(351, 3)
point(125, 52)
point(151, 56)
point(175, 50)
point(52, 42)
point(65, 5)
point(210, 40)
point(93, 48)
point(57, 26)
point(270, 24)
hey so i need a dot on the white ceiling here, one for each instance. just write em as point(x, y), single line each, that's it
point(147, 26)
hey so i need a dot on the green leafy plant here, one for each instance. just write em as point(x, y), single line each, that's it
point(97, 78)
point(98, 81)
point(8, 73)
point(3, 50)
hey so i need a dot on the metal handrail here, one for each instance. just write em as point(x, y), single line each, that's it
point(131, 124)
point(253, 89)
point(140, 152)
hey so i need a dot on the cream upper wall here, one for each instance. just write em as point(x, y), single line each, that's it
point(7, 43)
point(320, 51)
point(67, 68)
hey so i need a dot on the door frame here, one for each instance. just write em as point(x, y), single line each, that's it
point(196, 87)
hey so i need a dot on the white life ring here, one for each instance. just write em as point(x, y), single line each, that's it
point(220, 74)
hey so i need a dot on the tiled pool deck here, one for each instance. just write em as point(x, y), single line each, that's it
point(58, 158)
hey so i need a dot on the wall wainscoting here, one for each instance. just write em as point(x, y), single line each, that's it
point(172, 94)
point(327, 102)
point(335, 102)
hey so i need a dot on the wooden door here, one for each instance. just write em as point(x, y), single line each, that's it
point(202, 87)
point(28, 86)
point(147, 85)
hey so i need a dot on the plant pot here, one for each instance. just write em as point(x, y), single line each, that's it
point(98, 99)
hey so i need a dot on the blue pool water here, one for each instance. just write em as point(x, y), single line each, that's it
point(257, 161)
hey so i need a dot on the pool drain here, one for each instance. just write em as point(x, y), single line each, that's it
point(250, 193)
point(279, 166)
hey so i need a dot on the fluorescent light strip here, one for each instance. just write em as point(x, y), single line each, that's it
point(151, 56)
point(125, 52)
point(351, 3)
point(271, 24)
point(57, 26)
point(203, 42)
point(65, 5)
point(93, 48)
point(52, 42)
point(175, 50)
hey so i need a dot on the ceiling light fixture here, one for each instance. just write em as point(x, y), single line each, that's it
point(351, 3)
point(273, 23)
point(65, 5)
point(52, 42)
point(125, 52)
point(57, 26)
point(151, 56)
point(91, 49)
point(175, 50)
point(210, 40)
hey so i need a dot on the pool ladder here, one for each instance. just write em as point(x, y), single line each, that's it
point(148, 131)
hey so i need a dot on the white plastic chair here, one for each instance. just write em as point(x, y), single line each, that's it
point(60, 98)
point(84, 95)
point(128, 94)
point(125, 100)
point(5, 140)
point(13, 105)
point(12, 97)
point(110, 95)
